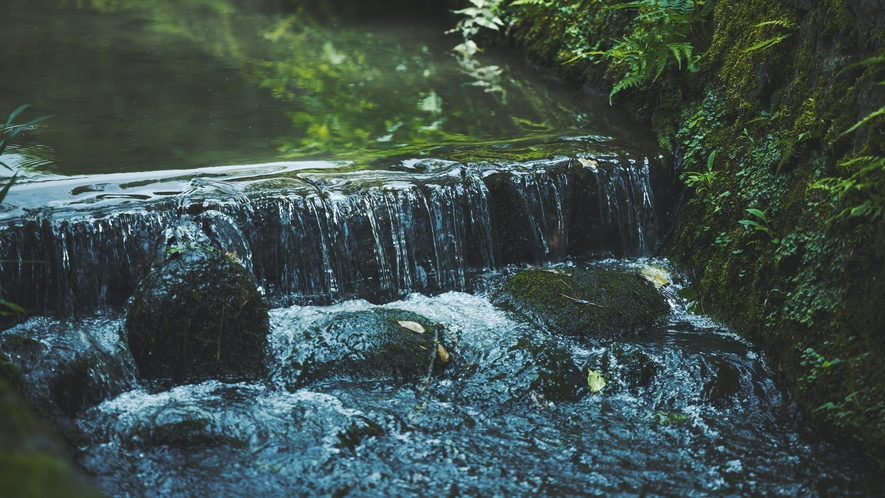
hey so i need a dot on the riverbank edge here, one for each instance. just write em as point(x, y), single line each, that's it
point(773, 253)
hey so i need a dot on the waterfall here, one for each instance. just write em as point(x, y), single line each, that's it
point(317, 235)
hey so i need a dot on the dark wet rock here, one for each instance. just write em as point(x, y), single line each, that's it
point(554, 375)
point(366, 345)
point(64, 373)
point(724, 381)
point(524, 371)
point(631, 367)
point(198, 316)
point(583, 302)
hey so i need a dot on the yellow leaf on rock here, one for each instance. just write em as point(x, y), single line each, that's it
point(443, 354)
point(595, 381)
point(413, 326)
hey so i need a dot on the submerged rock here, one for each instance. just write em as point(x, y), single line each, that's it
point(583, 302)
point(634, 369)
point(374, 344)
point(198, 316)
point(64, 368)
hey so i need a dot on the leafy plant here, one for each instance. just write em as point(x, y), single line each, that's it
point(7, 131)
point(764, 226)
point(695, 300)
point(861, 410)
point(661, 37)
point(770, 42)
point(702, 181)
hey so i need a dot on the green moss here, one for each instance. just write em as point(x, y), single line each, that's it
point(32, 463)
point(583, 302)
point(197, 316)
point(8, 372)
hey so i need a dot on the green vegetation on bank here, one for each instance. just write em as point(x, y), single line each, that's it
point(774, 113)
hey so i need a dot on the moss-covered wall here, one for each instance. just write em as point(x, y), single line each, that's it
point(777, 92)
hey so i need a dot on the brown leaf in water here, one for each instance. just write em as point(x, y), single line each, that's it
point(413, 326)
point(443, 354)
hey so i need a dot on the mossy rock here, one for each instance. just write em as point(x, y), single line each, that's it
point(63, 377)
point(367, 345)
point(198, 316)
point(593, 303)
point(32, 461)
point(8, 371)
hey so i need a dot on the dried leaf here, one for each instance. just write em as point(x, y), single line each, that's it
point(443, 354)
point(588, 163)
point(413, 326)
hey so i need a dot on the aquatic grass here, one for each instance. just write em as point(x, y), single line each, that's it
point(7, 132)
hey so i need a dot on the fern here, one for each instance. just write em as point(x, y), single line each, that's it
point(660, 38)
point(770, 42)
point(543, 3)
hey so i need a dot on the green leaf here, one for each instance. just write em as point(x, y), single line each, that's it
point(687, 293)
point(710, 160)
point(756, 212)
point(15, 113)
point(6, 188)
point(863, 121)
point(595, 381)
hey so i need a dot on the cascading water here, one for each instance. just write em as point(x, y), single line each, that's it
point(687, 409)
point(321, 236)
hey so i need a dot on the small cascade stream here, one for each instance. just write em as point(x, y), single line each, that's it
point(374, 175)
point(312, 235)
point(688, 409)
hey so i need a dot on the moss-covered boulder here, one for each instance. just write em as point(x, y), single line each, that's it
point(375, 344)
point(583, 302)
point(198, 316)
point(32, 460)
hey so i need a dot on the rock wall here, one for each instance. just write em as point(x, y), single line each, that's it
point(782, 227)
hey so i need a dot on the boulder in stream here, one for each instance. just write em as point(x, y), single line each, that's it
point(585, 302)
point(371, 344)
point(198, 316)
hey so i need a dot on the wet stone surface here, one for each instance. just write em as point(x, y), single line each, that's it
point(584, 302)
point(198, 316)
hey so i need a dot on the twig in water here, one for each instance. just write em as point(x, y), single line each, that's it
point(580, 301)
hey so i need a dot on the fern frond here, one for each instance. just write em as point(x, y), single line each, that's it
point(766, 43)
point(875, 59)
point(784, 23)
point(865, 120)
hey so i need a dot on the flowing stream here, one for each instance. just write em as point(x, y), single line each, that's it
point(406, 186)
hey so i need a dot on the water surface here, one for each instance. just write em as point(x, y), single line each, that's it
point(142, 85)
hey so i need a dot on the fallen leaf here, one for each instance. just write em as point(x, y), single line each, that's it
point(413, 326)
point(443, 354)
point(595, 381)
point(588, 163)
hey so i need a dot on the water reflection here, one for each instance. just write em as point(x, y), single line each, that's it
point(142, 85)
